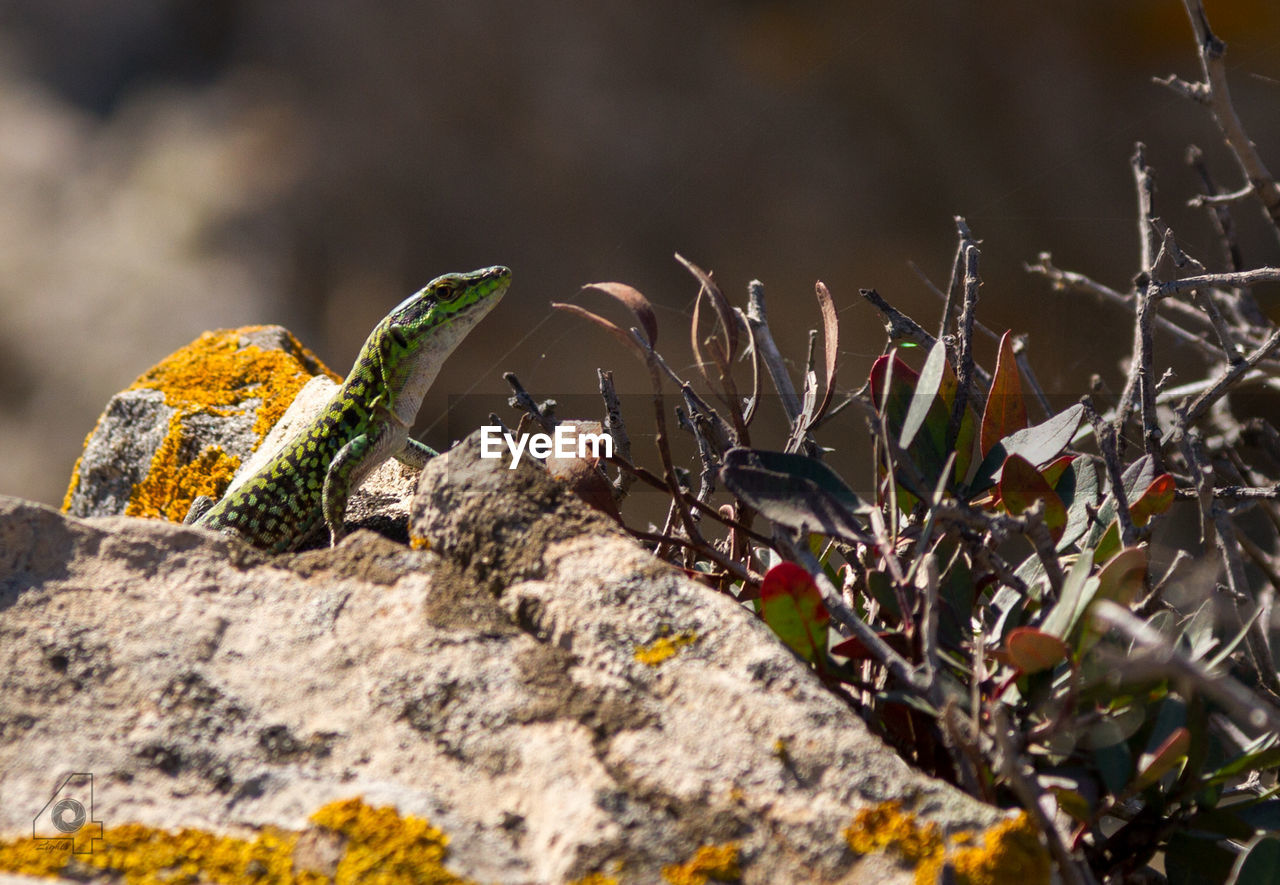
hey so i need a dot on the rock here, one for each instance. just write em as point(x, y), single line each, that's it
point(184, 427)
point(536, 686)
point(205, 419)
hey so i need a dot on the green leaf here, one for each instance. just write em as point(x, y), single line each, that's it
point(926, 390)
point(1021, 485)
point(1262, 758)
point(903, 396)
point(1263, 816)
point(1078, 590)
point(1124, 576)
point(1114, 764)
point(1006, 411)
point(1078, 489)
point(1259, 864)
point(1190, 860)
point(1054, 470)
point(795, 491)
point(893, 385)
point(791, 604)
point(1036, 444)
point(1137, 476)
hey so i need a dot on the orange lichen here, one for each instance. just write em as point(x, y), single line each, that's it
point(379, 845)
point(1008, 851)
point(215, 371)
point(664, 647)
point(711, 863)
point(214, 374)
point(75, 476)
point(595, 879)
point(886, 828)
point(172, 482)
point(382, 846)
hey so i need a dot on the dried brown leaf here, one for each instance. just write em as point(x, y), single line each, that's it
point(634, 301)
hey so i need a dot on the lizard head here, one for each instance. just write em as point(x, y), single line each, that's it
point(445, 303)
point(420, 333)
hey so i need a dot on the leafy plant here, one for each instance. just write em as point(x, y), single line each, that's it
point(995, 610)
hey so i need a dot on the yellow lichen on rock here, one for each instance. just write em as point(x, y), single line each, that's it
point(379, 845)
point(886, 828)
point(221, 373)
point(595, 879)
point(711, 863)
point(213, 373)
point(1008, 851)
point(383, 847)
point(217, 370)
point(664, 647)
point(173, 482)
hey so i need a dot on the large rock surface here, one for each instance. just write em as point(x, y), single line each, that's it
point(534, 684)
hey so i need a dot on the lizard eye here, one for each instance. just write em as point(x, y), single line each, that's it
point(447, 292)
point(398, 336)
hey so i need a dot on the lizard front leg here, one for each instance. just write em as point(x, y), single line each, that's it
point(338, 481)
point(415, 454)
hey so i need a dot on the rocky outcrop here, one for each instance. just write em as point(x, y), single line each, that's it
point(552, 700)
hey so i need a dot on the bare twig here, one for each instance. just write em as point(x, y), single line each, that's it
point(1234, 280)
point(1216, 94)
point(758, 320)
point(616, 428)
point(1070, 281)
point(1140, 382)
point(521, 398)
point(1255, 637)
point(965, 237)
point(964, 342)
point(1107, 448)
point(1225, 226)
point(1229, 378)
point(901, 327)
point(1021, 780)
point(1029, 375)
point(1235, 494)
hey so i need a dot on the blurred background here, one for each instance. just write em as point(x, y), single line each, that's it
point(172, 166)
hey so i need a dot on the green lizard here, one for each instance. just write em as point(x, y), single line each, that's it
point(307, 484)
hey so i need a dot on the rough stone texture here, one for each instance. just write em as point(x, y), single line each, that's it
point(491, 685)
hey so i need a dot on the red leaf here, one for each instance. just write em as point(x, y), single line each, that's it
point(791, 604)
point(1052, 472)
point(1154, 765)
point(1157, 498)
point(1021, 485)
point(1033, 650)
point(854, 648)
point(1006, 410)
